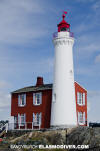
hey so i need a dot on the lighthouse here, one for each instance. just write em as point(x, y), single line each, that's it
point(63, 110)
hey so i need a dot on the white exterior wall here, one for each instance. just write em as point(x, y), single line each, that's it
point(63, 111)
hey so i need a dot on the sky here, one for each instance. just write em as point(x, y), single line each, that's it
point(26, 48)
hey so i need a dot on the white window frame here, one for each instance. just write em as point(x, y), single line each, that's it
point(20, 101)
point(84, 96)
point(37, 98)
point(81, 98)
point(21, 119)
point(37, 117)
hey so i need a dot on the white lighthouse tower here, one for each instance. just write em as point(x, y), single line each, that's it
point(63, 111)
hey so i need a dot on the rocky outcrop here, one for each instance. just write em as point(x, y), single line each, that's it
point(75, 136)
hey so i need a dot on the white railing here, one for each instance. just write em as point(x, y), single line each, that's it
point(24, 126)
point(4, 128)
point(55, 35)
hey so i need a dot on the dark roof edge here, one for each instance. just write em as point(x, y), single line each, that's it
point(33, 88)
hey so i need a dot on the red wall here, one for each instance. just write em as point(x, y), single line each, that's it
point(79, 108)
point(45, 107)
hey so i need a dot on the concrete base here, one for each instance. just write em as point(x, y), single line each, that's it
point(62, 127)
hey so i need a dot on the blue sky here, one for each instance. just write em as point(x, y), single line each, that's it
point(26, 48)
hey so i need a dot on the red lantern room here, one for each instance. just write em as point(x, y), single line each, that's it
point(63, 25)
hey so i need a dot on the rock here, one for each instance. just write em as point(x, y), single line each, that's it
point(75, 136)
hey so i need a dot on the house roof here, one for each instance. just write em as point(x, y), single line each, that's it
point(38, 88)
point(34, 88)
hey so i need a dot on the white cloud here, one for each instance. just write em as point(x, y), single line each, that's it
point(93, 94)
point(5, 113)
point(4, 99)
point(90, 48)
point(80, 28)
point(87, 44)
point(41, 65)
point(88, 106)
point(4, 85)
point(94, 101)
point(5, 103)
point(4, 96)
point(85, 1)
point(97, 59)
point(15, 25)
point(88, 71)
point(96, 5)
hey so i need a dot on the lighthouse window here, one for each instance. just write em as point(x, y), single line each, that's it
point(37, 98)
point(63, 29)
point(71, 72)
point(55, 96)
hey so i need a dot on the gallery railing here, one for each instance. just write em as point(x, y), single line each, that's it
point(55, 35)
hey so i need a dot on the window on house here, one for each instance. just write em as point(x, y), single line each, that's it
point(22, 100)
point(15, 119)
point(21, 119)
point(81, 118)
point(36, 119)
point(80, 98)
point(37, 98)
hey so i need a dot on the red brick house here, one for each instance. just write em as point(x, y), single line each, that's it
point(31, 106)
